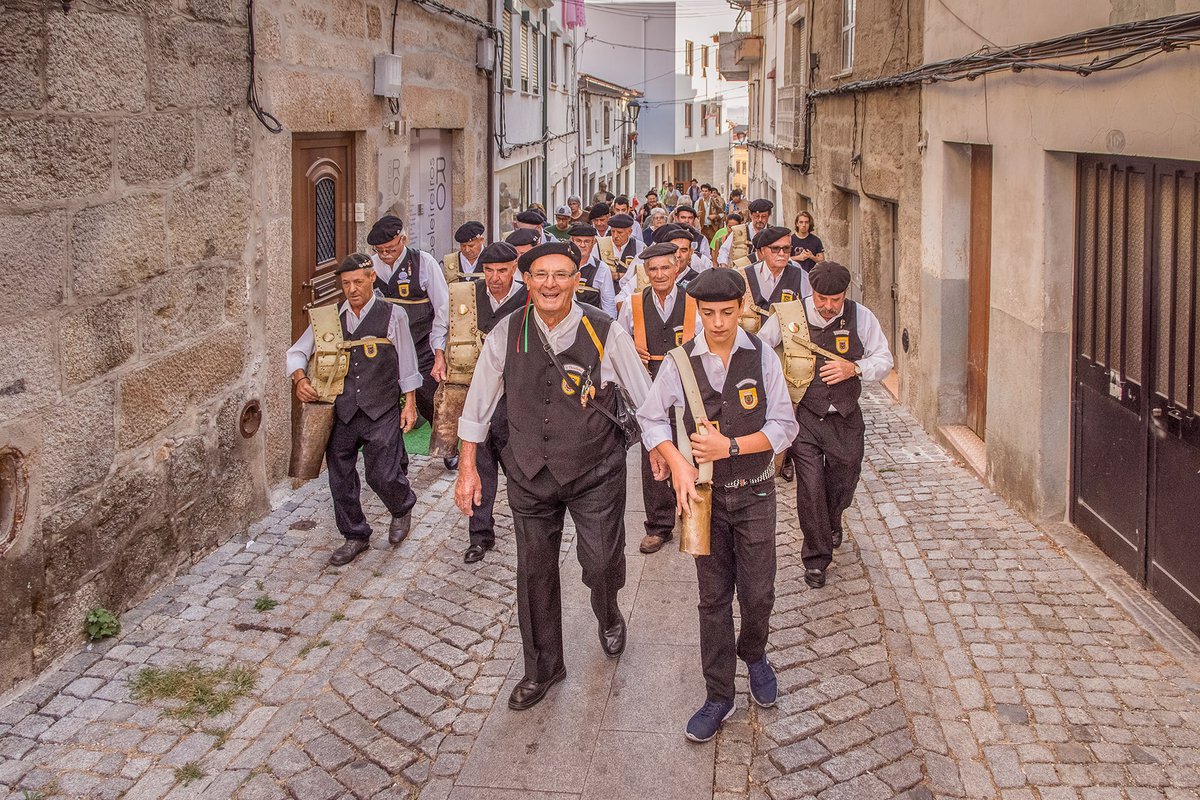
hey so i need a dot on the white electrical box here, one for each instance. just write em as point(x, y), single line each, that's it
point(360, 212)
point(387, 75)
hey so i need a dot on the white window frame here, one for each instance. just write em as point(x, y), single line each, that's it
point(849, 15)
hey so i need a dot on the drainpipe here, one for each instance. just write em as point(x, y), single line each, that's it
point(544, 87)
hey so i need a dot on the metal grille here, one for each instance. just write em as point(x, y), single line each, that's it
point(326, 219)
point(1176, 296)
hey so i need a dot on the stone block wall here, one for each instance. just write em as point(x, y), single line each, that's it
point(145, 249)
point(125, 241)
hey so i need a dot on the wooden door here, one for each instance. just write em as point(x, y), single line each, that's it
point(323, 228)
point(979, 287)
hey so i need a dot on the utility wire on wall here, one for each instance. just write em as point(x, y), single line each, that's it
point(267, 119)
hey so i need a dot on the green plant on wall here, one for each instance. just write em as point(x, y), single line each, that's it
point(100, 623)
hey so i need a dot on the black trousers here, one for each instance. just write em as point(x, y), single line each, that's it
point(482, 525)
point(382, 446)
point(828, 454)
point(743, 560)
point(659, 499)
point(596, 501)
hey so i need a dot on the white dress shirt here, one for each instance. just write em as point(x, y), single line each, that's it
point(664, 309)
point(876, 362)
point(767, 280)
point(513, 288)
point(299, 354)
point(629, 279)
point(667, 392)
point(620, 365)
point(726, 246)
point(604, 282)
point(433, 283)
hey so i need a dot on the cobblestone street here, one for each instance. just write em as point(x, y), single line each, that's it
point(957, 651)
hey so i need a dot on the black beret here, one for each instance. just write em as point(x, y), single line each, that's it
point(468, 231)
point(685, 207)
point(770, 234)
point(568, 249)
point(760, 205)
point(666, 233)
point(657, 250)
point(531, 217)
point(621, 221)
point(829, 277)
point(718, 285)
point(579, 229)
point(599, 210)
point(386, 229)
point(523, 236)
point(498, 253)
point(352, 262)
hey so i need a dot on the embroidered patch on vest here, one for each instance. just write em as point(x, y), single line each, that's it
point(402, 289)
point(370, 349)
point(841, 342)
point(679, 336)
point(748, 394)
point(787, 296)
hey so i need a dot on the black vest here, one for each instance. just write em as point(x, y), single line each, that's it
point(485, 318)
point(841, 337)
point(791, 281)
point(546, 425)
point(626, 256)
point(662, 337)
point(373, 383)
point(683, 280)
point(405, 284)
point(740, 409)
point(588, 290)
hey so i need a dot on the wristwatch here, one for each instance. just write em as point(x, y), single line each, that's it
point(733, 447)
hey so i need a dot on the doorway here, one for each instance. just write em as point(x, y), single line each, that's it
point(1135, 399)
point(323, 228)
point(979, 288)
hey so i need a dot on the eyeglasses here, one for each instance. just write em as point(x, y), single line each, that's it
point(780, 250)
point(557, 277)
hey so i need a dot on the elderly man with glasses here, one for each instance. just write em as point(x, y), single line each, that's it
point(557, 364)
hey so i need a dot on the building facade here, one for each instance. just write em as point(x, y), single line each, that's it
point(161, 244)
point(1026, 233)
point(666, 51)
point(536, 120)
point(608, 137)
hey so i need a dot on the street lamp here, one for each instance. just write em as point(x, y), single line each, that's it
point(634, 108)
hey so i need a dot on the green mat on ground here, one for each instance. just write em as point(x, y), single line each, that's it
point(416, 441)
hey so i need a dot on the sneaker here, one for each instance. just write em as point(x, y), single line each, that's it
point(764, 686)
point(705, 723)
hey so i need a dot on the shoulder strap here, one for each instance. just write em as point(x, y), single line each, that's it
point(689, 317)
point(691, 393)
point(587, 325)
point(450, 266)
point(636, 310)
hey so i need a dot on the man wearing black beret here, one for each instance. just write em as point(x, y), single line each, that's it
point(598, 216)
point(691, 262)
point(739, 244)
point(746, 418)
point(411, 278)
point(774, 278)
point(462, 263)
point(531, 219)
point(495, 297)
point(660, 318)
point(595, 286)
point(556, 363)
point(524, 240)
point(382, 365)
point(620, 205)
point(619, 251)
point(850, 347)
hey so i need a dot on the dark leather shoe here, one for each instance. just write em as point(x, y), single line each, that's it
point(837, 538)
point(613, 639)
point(398, 531)
point(788, 470)
point(451, 463)
point(348, 552)
point(653, 542)
point(474, 553)
point(814, 577)
point(527, 693)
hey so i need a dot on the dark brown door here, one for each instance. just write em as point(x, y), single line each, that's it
point(323, 230)
point(1136, 455)
point(979, 287)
